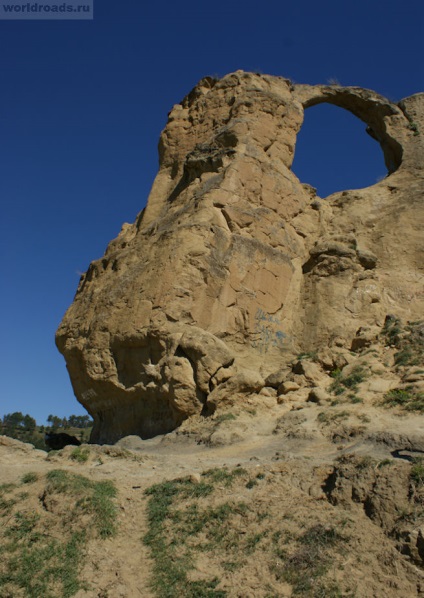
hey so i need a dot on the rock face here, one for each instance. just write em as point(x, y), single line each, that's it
point(235, 266)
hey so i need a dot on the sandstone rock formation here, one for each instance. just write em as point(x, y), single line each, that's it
point(235, 266)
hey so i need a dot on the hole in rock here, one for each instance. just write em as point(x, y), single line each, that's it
point(334, 152)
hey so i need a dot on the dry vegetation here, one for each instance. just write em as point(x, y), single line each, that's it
point(317, 492)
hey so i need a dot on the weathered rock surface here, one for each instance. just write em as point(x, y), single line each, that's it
point(234, 267)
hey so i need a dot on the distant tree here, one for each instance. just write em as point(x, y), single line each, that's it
point(18, 421)
point(88, 422)
point(22, 427)
point(29, 423)
point(13, 420)
point(80, 421)
point(55, 421)
point(73, 421)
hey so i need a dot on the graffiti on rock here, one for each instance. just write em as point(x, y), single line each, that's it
point(267, 332)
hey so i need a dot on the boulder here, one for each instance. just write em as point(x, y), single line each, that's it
point(318, 395)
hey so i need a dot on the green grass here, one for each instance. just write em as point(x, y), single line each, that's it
point(6, 503)
point(80, 454)
point(326, 417)
point(385, 463)
point(355, 399)
point(305, 566)
point(29, 478)
point(224, 417)
point(181, 524)
point(223, 476)
point(95, 498)
point(365, 462)
point(406, 357)
point(414, 128)
point(171, 565)
point(36, 566)
point(408, 339)
point(392, 330)
point(37, 562)
point(405, 398)
point(351, 381)
point(188, 521)
point(417, 472)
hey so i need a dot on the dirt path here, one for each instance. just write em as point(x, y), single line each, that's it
point(121, 567)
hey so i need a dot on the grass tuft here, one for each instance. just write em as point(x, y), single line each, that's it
point(29, 478)
point(224, 417)
point(350, 382)
point(408, 339)
point(417, 472)
point(223, 475)
point(80, 454)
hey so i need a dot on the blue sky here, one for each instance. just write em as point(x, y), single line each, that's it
point(82, 104)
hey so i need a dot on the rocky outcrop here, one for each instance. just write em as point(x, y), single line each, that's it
point(235, 266)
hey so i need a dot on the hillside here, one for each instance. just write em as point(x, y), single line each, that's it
point(316, 492)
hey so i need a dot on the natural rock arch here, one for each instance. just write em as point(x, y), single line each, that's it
point(381, 116)
point(334, 152)
point(234, 267)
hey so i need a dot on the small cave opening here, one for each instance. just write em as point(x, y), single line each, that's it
point(334, 152)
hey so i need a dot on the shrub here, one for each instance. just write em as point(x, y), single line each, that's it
point(405, 398)
point(351, 381)
point(409, 340)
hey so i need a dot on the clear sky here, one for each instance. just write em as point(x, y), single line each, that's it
point(82, 104)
